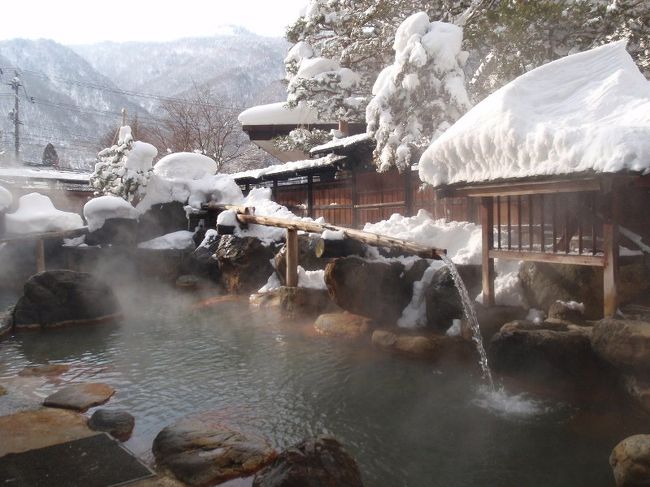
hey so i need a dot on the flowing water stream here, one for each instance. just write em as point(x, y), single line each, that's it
point(472, 321)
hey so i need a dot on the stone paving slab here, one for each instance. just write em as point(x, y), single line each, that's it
point(80, 397)
point(29, 430)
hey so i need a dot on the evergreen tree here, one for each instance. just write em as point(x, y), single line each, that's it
point(421, 94)
point(342, 45)
point(50, 156)
point(123, 169)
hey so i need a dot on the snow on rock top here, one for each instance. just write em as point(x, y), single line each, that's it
point(100, 209)
point(37, 214)
point(5, 199)
point(585, 112)
point(180, 240)
point(185, 165)
point(279, 114)
point(141, 156)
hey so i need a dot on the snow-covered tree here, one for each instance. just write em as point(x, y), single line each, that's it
point(124, 169)
point(509, 38)
point(421, 94)
point(302, 139)
point(342, 45)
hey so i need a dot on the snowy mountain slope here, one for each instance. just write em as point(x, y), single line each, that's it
point(237, 64)
point(67, 109)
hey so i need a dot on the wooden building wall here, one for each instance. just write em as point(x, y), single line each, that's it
point(379, 195)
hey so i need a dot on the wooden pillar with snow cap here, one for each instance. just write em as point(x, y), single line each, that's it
point(487, 231)
point(292, 257)
point(610, 249)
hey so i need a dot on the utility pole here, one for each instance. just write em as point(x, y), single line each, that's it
point(14, 115)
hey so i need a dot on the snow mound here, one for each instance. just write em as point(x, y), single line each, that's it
point(585, 112)
point(5, 199)
point(220, 188)
point(37, 214)
point(141, 156)
point(180, 240)
point(100, 209)
point(185, 165)
point(461, 239)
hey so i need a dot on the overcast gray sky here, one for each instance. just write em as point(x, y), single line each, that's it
point(88, 21)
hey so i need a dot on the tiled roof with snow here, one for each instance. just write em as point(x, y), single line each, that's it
point(279, 114)
point(589, 112)
point(37, 173)
point(289, 168)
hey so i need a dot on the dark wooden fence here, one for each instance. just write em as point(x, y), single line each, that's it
point(377, 197)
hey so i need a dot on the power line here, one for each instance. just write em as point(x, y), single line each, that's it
point(136, 94)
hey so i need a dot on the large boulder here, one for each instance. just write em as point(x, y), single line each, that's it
point(630, 461)
point(544, 284)
point(114, 231)
point(315, 462)
point(199, 451)
point(201, 262)
point(244, 263)
point(118, 424)
point(443, 300)
point(62, 297)
point(162, 219)
point(623, 343)
point(294, 300)
point(638, 389)
point(343, 325)
point(374, 289)
point(427, 345)
point(546, 351)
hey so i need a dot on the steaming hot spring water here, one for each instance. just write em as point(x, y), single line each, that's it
point(406, 422)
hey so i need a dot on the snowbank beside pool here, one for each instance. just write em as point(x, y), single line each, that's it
point(585, 112)
point(180, 240)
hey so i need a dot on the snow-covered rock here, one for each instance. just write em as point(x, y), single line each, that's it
point(37, 214)
point(585, 112)
point(100, 209)
point(180, 240)
point(185, 165)
point(141, 156)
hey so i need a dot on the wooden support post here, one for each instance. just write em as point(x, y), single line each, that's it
point(275, 190)
point(292, 257)
point(355, 200)
point(408, 192)
point(40, 255)
point(487, 228)
point(610, 248)
point(310, 196)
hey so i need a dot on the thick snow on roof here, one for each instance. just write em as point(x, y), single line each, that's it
point(37, 173)
point(100, 209)
point(279, 114)
point(588, 111)
point(36, 214)
point(292, 166)
point(341, 143)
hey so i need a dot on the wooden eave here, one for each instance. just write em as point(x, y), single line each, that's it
point(543, 185)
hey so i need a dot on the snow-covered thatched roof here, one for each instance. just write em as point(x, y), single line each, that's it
point(588, 112)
